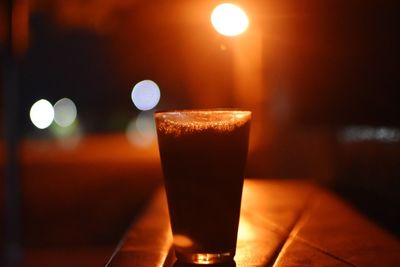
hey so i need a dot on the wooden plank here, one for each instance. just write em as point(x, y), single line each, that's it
point(331, 227)
point(148, 241)
point(269, 211)
point(297, 253)
point(283, 223)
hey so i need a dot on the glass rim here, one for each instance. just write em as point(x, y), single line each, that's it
point(188, 110)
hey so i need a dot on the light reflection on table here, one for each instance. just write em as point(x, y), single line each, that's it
point(283, 223)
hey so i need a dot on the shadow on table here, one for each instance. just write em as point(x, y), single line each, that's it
point(224, 264)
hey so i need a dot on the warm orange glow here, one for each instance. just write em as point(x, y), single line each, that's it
point(245, 232)
point(249, 88)
point(20, 26)
point(99, 15)
point(229, 19)
point(182, 241)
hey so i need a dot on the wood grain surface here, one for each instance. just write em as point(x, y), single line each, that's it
point(282, 223)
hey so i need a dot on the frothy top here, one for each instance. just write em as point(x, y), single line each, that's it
point(189, 121)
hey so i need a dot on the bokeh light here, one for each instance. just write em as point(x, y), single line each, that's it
point(145, 95)
point(229, 19)
point(64, 112)
point(141, 131)
point(68, 137)
point(370, 133)
point(42, 114)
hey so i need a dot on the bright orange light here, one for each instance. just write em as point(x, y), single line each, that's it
point(182, 241)
point(245, 231)
point(229, 19)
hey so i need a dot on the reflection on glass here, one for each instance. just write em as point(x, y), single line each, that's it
point(182, 241)
point(245, 231)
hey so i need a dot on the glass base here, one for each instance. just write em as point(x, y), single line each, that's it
point(205, 258)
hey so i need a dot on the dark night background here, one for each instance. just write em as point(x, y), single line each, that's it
point(325, 66)
point(337, 61)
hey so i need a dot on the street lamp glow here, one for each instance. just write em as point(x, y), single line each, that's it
point(229, 19)
point(42, 114)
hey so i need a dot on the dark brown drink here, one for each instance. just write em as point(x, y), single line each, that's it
point(203, 155)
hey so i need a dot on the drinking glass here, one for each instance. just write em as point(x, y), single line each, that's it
point(203, 155)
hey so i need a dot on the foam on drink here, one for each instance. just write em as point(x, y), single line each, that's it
point(180, 122)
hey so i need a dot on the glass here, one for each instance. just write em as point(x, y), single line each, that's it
point(203, 155)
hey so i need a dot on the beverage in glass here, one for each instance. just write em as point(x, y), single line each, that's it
point(203, 155)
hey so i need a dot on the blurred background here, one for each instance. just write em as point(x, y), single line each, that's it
point(81, 79)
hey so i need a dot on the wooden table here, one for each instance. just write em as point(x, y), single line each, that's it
point(283, 223)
